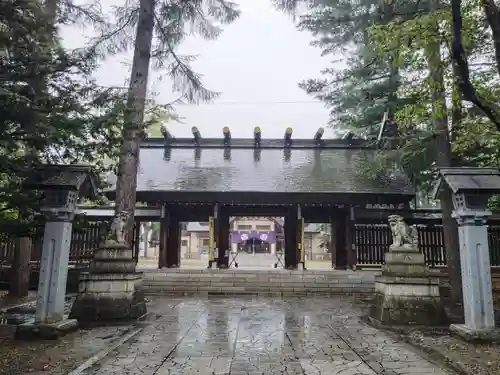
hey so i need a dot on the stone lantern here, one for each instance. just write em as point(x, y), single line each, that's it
point(60, 186)
point(472, 188)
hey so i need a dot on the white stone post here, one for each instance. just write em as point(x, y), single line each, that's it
point(273, 248)
point(476, 271)
point(50, 321)
point(55, 256)
point(273, 245)
point(53, 272)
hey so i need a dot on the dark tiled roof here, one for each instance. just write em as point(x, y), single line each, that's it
point(63, 176)
point(469, 178)
point(307, 170)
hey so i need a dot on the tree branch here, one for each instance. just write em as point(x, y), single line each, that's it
point(465, 85)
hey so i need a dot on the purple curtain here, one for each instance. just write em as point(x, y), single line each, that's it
point(242, 236)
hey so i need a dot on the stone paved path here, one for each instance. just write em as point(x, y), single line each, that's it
point(261, 335)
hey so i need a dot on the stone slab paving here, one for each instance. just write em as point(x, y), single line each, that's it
point(260, 336)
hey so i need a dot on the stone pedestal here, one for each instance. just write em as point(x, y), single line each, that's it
point(406, 293)
point(112, 290)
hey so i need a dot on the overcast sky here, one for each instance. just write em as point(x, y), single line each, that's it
point(256, 65)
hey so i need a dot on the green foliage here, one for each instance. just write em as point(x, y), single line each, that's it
point(173, 22)
point(50, 108)
point(389, 48)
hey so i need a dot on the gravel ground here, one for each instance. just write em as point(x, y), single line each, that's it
point(54, 358)
point(49, 357)
point(463, 357)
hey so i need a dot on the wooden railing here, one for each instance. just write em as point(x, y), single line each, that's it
point(84, 240)
point(372, 241)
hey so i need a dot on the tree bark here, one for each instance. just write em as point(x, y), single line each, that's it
point(444, 159)
point(134, 116)
point(493, 16)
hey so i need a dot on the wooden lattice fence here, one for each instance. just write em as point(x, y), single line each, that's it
point(372, 241)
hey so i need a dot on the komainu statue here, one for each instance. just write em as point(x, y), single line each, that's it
point(402, 234)
point(117, 229)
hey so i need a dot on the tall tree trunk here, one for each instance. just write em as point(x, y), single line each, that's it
point(444, 159)
point(493, 16)
point(134, 116)
point(51, 7)
point(392, 97)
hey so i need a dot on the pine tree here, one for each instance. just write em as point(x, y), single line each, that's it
point(160, 26)
point(68, 119)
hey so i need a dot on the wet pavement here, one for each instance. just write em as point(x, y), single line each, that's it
point(261, 335)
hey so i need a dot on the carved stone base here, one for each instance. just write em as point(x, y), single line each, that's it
point(38, 331)
point(113, 258)
point(109, 297)
point(408, 301)
point(404, 261)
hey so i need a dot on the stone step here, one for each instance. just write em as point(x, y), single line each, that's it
point(257, 282)
point(243, 290)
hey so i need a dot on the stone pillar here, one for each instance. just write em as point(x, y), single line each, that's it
point(145, 238)
point(406, 293)
point(273, 247)
point(476, 276)
point(53, 271)
point(173, 243)
point(291, 261)
point(112, 289)
point(50, 319)
point(223, 240)
point(472, 188)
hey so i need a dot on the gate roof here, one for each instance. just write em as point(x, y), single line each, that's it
point(336, 167)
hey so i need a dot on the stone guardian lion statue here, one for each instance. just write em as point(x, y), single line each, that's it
point(402, 234)
point(117, 229)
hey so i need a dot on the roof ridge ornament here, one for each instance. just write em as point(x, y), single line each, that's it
point(196, 135)
point(288, 137)
point(227, 136)
point(257, 136)
point(318, 136)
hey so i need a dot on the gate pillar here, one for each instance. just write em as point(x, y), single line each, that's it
point(213, 252)
point(341, 237)
point(164, 223)
point(351, 251)
point(173, 242)
point(291, 246)
point(223, 240)
point(333, 240)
